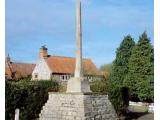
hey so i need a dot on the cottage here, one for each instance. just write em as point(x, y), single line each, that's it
point(61, 68)
point(17, 70)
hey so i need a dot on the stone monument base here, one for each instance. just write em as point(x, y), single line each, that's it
point(77, 106)
point(79, 85)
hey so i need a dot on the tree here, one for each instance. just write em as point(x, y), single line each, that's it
point(141, 70)
point(118, 93)
point(106, 69)
point(120, 64)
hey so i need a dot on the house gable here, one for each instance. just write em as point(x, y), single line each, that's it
point(41, 71)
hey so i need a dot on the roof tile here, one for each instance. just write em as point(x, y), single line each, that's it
point(66, 65)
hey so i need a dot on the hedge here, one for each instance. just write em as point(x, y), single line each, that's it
point(99, 86)
point(28, 96)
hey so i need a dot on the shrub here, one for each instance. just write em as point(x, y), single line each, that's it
point(99, 86)
point(28, 96)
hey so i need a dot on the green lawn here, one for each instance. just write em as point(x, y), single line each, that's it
point(138, 108)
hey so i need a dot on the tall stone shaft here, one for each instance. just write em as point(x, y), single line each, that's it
point(78, 84)
point(78, 67)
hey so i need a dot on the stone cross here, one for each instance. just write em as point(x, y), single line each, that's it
point(78, 68)
point(78, 84)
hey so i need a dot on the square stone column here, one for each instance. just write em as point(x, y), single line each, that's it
point(78, 83)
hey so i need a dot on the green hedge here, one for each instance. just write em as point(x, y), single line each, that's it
point(99, 86)
point(28, 96)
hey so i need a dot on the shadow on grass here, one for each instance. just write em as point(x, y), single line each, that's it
point(135, 115)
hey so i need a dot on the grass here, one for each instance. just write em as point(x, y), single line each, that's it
point(138, 108)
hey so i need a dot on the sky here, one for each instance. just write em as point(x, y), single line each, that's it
point(31, 24)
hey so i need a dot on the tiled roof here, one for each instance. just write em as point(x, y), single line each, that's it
point(66, 65)
point(19, 70)
point(22, 69)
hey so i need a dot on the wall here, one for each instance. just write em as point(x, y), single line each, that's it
point(61, 77)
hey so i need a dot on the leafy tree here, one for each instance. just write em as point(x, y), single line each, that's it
point(106, 69)
point(120, 64)
point(141, 70)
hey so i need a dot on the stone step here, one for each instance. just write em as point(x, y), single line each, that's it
point(70, 107)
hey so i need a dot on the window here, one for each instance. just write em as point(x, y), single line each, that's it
point(63, 77)
point(36, 75)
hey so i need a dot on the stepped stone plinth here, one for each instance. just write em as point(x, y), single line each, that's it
point(77, 106)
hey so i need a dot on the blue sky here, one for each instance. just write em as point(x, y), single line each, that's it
point(33, 23)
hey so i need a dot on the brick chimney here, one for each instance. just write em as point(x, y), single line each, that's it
point(43, 52)
point(8, 59)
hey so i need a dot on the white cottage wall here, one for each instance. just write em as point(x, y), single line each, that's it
point(41, 71)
